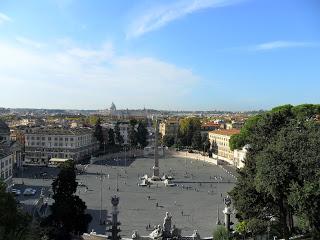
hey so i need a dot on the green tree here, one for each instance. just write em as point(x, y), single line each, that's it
point(242, 228)
point(142, 134)
point(281, 162)
point(98, 133)
point(220, 233)
point(118, 136)
point(13, 222)
point(197, 141)
point(68, 215)
point(205, 142)
point(168, 140)
point(132, 137)
point(111, 137)
point(187, 128)
point(93, 119)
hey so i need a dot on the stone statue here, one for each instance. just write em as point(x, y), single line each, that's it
point(135, 235)
point(195, 235)
point(167, 224)
point(227, 201)
point(157, 233)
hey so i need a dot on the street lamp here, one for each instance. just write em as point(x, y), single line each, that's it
point(101, 179)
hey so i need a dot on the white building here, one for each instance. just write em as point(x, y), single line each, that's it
point(6, 163)
point(240, 155)
point(45, 143)
point(221, 139)
point(124, 129)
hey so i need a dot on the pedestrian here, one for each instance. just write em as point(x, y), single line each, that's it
point(181, 213)
point(157, 204)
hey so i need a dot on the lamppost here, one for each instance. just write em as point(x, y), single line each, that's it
point(117, 174)
point(23, 156)
point(101, 180)
point(125, 155)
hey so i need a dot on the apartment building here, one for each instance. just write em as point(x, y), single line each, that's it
point(124, 130)
point(221, 138)
point(169, 127)
point(45, 143)
point(234, 125)
point(6, 163)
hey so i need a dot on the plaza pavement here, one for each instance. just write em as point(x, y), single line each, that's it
point(192, 204)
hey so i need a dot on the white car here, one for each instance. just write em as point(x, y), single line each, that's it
point(16, 192)
point(29, 192)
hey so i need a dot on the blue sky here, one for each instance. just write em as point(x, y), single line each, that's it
point(165, 54)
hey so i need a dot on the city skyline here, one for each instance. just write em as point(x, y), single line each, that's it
point(236, 55)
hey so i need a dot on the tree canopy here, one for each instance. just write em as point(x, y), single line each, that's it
point(13, 222)
point(98, 132)
point(281, 174)
point(118, 137)
point(188, 127)
point(68, 210)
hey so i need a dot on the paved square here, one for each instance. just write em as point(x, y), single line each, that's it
point(193, 203)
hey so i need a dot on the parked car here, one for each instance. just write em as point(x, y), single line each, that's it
point(29, 192)
point(16, 192)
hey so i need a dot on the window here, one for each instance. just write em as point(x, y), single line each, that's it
point(71, 139)
point(38, 138)
point(56, 139)
point(66, 139)
point(49, 138)
point(61, 139)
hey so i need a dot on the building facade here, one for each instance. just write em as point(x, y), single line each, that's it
point(169, 127)
point(240, 156)
point(124, 130)
point(220, 139)
point(234, 125)
point(43, 144)
point(6, 163)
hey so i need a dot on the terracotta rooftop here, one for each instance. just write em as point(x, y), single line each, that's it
point(228, 132)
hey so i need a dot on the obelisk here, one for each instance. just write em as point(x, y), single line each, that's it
point(156, 173)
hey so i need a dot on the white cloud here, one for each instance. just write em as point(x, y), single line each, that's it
point(29, 42)
point(4, 18)
point(281, 44)
point(162, 15)
point(75, 77)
